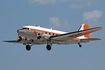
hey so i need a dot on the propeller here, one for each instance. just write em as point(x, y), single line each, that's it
point(17, 40)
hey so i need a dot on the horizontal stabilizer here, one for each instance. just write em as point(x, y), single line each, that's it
point(89, 39)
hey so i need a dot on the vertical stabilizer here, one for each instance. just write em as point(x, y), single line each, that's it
point(84, 27)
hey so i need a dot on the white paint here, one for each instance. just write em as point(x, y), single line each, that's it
point(45, 29)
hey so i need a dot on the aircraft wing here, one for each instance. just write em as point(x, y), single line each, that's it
point(71, 35)
point(12, 41)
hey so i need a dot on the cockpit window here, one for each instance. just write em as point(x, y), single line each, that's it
point(25, 28)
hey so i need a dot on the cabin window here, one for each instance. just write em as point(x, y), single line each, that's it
point(45, 32)
point(38, 34)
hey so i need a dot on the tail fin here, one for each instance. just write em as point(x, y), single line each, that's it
point(84, 27)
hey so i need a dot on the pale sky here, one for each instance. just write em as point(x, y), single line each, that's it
point(64, 15)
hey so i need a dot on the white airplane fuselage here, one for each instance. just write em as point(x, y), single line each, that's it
point(30, 35)
point(32, 32)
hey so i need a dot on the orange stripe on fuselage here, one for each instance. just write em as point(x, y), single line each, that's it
point(40, 31)
point(44, 31)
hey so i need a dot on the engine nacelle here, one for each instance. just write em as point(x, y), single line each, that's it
point(20, 38)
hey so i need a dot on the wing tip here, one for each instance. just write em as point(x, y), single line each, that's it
point(4, 41)
point(11, 41)
point(96, 39)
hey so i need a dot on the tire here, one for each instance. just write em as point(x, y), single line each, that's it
point(48, 47)
point(28, 47)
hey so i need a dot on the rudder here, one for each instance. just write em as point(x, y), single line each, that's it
point(84, 27)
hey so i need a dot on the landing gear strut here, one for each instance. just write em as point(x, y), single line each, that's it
point(28, 47)
point(79, 45)
point(48, 47)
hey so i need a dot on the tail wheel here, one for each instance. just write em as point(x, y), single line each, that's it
point(48, 47)
point(28, 47)
point(79, 45)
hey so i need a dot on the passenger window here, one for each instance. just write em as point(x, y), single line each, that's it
point(45, 32)
point(38, 34)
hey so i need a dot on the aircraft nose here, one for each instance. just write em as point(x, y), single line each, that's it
point(18, 30)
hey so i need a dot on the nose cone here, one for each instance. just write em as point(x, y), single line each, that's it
point(17, 31)
point(22, 32)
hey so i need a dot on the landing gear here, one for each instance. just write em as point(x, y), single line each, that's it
point(48, 47)
point(79, 45)
point(28, 47)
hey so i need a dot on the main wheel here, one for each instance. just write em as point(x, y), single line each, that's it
point(48, 47)
point(28, 47)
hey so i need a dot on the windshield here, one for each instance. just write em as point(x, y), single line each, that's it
point(25, 28)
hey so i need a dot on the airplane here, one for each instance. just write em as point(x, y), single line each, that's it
point(30, 35)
